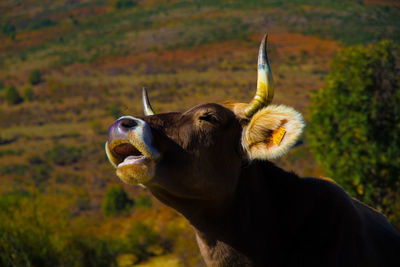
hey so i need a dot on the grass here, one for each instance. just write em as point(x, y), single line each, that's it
point(335, 20)
point(46, 131)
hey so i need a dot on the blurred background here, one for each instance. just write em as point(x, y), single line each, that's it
point(69, 68)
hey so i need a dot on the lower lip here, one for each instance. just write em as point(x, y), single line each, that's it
point(133, 160)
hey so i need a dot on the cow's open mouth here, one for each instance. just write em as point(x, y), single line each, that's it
point(129, 149)
point(128, 154)
point(125, 153)
point(135, 162)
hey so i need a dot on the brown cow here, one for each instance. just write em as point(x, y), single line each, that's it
point(210, 163)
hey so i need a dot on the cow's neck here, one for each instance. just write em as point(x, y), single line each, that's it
point(259, 208)
point(228, 228)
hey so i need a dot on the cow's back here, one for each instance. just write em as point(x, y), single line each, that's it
point(360, 235)
point(382, 240)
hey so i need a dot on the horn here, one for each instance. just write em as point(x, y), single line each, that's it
point(265, 86)
point(147, 109)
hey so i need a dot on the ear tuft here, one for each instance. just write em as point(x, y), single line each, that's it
point(271, 132)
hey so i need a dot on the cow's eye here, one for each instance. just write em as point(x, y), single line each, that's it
point(209, 117)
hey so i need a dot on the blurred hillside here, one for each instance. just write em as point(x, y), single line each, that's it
point(78, 64)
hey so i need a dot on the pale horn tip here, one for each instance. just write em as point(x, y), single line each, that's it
point(147, 109)
point(265, 87)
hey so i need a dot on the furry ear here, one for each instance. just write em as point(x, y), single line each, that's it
point(271, 132)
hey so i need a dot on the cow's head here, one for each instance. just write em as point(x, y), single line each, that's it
point(196, 153)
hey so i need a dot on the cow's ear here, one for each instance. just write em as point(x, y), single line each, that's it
point(271, 132)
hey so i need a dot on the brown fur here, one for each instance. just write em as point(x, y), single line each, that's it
point(257, 135)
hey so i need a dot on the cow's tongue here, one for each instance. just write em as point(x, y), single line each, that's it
point(133, 157)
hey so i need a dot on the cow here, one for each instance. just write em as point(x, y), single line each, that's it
point(211, 164)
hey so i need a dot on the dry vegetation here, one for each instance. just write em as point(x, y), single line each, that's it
point(93, 60)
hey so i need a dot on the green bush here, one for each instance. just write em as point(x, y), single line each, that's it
point(37, 233)
point(40, 174)
point(12, 96)
point(28, 94)
point(87, 250)
point(116, 201)
point(143, 201)
point(9, 30)
point(64, 155)
point(35, 160)
point(121, 4)
point(7, 152)
point(35, 77)
point(39, 169)
point(34, 246)
point(73, 20)
point(354, 124)
point(44, 23)
point(14, 169)
point(22, 245)
point(141, 241)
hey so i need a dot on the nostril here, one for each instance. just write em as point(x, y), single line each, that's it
point(128, 123)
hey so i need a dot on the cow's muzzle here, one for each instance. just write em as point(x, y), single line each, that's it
point(129, 149)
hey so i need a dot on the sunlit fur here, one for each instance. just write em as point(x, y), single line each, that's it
point(257, 131)
point(136, 174)
point(257, 135)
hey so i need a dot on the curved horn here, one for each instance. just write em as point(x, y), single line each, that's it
point(147, 109)
point(265, 86)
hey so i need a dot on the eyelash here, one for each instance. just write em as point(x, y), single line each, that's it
point(209, 117)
